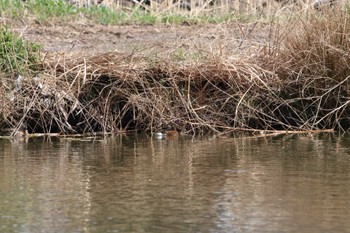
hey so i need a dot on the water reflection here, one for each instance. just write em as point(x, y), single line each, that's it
point(286, 183)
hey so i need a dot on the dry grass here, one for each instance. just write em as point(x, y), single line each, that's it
point(314, 62)
point(299, 81)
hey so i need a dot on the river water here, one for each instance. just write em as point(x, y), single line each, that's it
point(286, 183)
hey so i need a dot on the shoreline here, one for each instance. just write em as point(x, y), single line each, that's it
point(294, 81)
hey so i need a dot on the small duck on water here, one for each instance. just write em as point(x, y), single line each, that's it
point(166, 133)
point(18, 131)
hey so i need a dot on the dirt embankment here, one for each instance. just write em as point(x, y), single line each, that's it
point(102, 87)
point(86, 39)
point(193, 78)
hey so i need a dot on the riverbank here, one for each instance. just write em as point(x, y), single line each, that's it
point(254, 76)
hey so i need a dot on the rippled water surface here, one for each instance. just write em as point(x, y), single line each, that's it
point(291, 183)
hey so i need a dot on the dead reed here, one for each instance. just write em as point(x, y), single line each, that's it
point(314, 62)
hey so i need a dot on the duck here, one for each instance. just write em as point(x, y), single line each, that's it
point(18, 131)
point(166, 133)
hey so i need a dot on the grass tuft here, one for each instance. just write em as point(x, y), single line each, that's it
point(17, 55)
point(318, 45)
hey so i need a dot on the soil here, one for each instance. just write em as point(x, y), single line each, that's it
point(168, 41)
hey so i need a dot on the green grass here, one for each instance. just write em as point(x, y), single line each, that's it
point(45, 10)
point(102, 15)
point(13, 9)
point(181, 54)
point(16, 55)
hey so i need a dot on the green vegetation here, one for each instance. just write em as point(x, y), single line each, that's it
point(183, 55)
point(17, 55)
point(103, 15)
point(44, 10)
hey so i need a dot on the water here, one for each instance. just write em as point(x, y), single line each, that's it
point(292, 183)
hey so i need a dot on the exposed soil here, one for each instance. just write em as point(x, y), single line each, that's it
point(85, 39)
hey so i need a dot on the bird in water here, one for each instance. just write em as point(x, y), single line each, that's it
point(167, 132)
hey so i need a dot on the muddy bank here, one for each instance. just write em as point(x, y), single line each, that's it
point(104, 99)
point(195, 79)
point(78, 39)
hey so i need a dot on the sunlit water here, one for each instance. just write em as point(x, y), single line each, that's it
point(292, 183)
